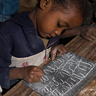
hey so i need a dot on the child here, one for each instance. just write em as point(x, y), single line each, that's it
point(21, 38)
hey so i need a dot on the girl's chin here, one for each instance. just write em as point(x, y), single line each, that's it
point(43, 36)
point(49, 36)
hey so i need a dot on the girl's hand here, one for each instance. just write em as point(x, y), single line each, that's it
point(57, 50)
point(32, 74)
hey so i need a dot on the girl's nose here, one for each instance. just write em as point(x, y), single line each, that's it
point(58, 32)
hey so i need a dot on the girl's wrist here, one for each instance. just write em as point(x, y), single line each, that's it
point(16, 73)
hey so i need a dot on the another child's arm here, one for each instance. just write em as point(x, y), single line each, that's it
point(70, 32)
point(30, 74)
point(90, 34)
point(57, 50)
point(87, 32)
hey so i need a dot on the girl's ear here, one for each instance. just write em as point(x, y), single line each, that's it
point(44, 3)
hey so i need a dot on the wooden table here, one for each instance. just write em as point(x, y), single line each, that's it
point(77, 45)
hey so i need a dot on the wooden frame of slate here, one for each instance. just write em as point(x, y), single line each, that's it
point(67, 75)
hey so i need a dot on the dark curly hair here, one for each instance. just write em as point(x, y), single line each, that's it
point(82, 7)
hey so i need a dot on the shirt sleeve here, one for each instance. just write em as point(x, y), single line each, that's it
point(5, 61)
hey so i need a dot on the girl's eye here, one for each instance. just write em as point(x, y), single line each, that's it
point(59, 25)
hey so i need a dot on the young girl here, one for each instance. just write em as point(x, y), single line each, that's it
point(21, 38)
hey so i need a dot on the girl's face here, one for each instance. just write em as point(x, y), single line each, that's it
point(51, 23)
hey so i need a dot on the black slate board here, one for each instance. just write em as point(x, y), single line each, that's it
point(67, 75)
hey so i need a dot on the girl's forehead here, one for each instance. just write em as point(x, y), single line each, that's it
point(73, 18)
